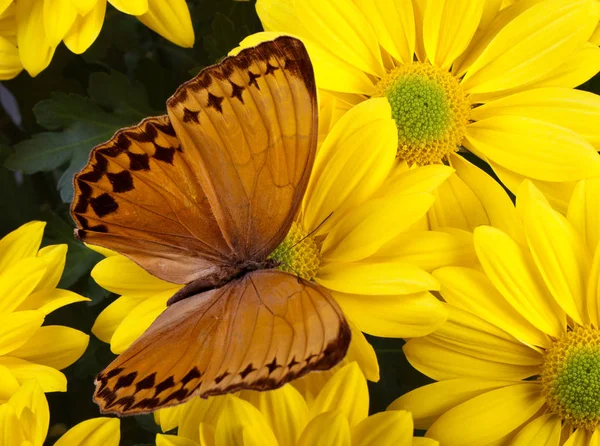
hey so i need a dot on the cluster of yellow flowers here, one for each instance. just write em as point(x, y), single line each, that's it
point(500, 302)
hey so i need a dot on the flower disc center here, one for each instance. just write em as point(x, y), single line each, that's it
point(298, 254)
point(571, 377)
point(430, 108)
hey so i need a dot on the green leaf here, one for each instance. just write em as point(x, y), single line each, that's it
point(80, 123)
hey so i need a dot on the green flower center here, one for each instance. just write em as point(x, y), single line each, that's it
point(571, 377)
point(298, 254)
point(430, 108)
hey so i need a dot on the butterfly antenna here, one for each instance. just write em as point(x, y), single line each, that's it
point(313, 231)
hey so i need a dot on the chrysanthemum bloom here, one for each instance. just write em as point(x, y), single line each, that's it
point(354, 236)
point(337, 417)
point(28, 280)
point(30, 30)
point(24, 420)
point(518, 360)
point(460, 75)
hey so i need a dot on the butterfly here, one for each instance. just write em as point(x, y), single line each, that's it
point(201, 197)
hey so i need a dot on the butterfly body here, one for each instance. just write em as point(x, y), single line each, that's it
point(202, 197)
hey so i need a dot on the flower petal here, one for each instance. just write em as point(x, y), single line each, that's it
point(59, 15)
point(329, 428)
point(19, 280)
point(17, 328)
point(345, 174)
point(30, 398)
point(8, 385)
point(111, 317)
point(584, 211)
point(512, 272)
point(405, 181)
point(391, 427)
point(427, 403)
point(171, 19)
point(448, 27)
point(531, 45)
point(279, 15)
point(533, 148)
point(51, 380)
point(21, 243)
point(237, 416)
point(472, 291)
point(339, 24)
point(384, 278)
point(85, 29)
point(544, 430)
point(35, 53)
point(11, 431)
point(593, 290)
point(491, 415)
point(394, 316)
point(50, 299)
point(577, 68)
point(580, 438)
point(394, 25)
point(10, 63)
point(363, 353)
point(55, 257)
point(172, 440)
point(440, 363)
point(83, 6)
point(133, 7)
point(53, 345)
point(93, 432)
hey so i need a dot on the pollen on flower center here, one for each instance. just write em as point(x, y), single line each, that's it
point(430, 108)
point(298, 254)
point(571, 377)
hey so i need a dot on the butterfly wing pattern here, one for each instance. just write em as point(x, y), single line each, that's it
point(210, 190)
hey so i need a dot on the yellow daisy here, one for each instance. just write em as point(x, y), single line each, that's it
point(30, 30)
point(518, 361)
point(337, 417)
point(24, 420)
point(28, 280)
point(462, 75)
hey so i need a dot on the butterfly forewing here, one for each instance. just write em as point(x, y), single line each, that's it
point(253, 118)
point(257, 332)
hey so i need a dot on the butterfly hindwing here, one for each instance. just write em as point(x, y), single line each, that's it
point(257, 332)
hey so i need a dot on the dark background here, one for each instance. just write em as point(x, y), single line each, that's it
point(80, 101)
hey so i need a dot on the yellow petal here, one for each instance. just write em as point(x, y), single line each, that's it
point(133, 7)
point(329, 428)
point(197, 413)
point(340, 25)
point(17, 328)
point(593, 290)
point(172, 440)
point(83, 6)
point(561, 256)
point(363, 353)
point(51, 380)
point(346, 174)
point(543, 430)
point(279, 16)
point(346, 392)
point(448, 27)
point(21, 243)
point(171, 19)
point(491, 415)
point(55, 257)
point(31, 399)
point(384, 278)
point(284, 410)
point(456, 206)
point(4, 4)
point(238, 415)
point(580, 438)
point(367, 228)
point(50, 299)
point(533, 148)
point(59, 15)
point(494, 199)
point(8, 385)
point(414, 180)
point(85, 29)
point(393, 427)
point(394, 25)
point(120, 275)
point(35, 53)
point(584, 211)
point(10, 63)
point(394, 316)
point(111, 317)
point(531, 45)
point(511, 269)
point(440, 363)
point(472, 291)
point(93, 432)
point(19, 280)
point(55, 346)
point(426, 404)
point(11, 432)
point(168, 418)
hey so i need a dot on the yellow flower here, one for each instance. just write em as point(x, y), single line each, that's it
point(30, 30)
point(461, 75)
point(338, 416)
point(24, 420)
point(518, 361)
point(28, 280)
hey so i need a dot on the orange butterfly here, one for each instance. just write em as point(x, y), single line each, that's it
point(202, 197)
